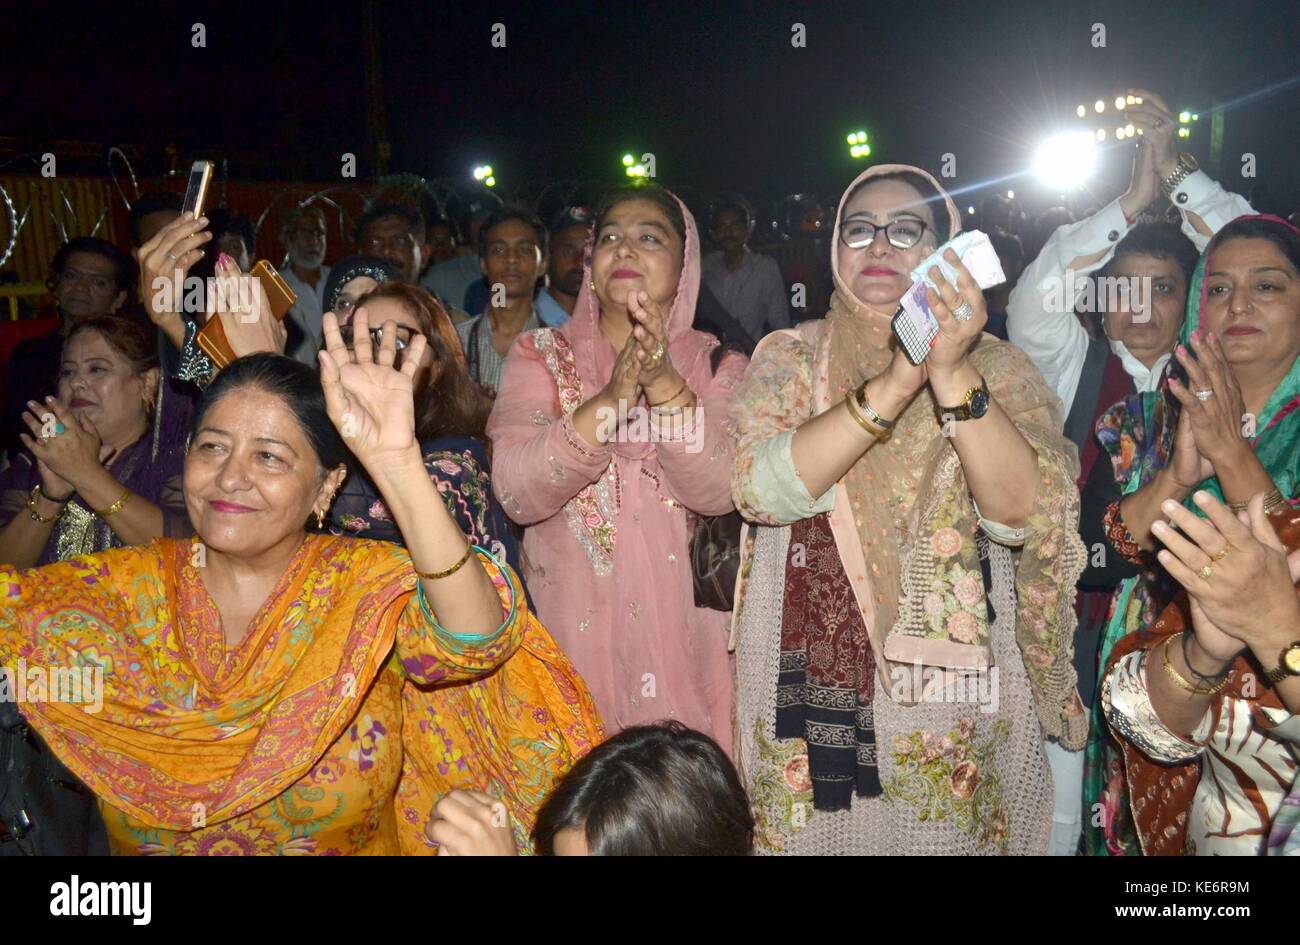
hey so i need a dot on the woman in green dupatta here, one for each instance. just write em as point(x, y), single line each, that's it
point(1225, 419)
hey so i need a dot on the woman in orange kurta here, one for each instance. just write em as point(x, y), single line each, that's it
point(250, 680)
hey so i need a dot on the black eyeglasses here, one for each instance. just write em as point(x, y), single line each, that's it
point(377, 336)
point(903, 233)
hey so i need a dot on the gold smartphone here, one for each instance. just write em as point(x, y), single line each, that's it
point(196, 192)
point(212, 339)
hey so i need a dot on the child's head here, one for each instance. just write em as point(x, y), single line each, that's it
point(651, 790)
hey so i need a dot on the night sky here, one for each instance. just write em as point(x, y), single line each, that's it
point(717, 94)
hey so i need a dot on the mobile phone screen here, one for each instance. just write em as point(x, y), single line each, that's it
point(196, 192)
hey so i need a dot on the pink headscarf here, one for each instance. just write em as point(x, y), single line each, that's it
point(689, 349)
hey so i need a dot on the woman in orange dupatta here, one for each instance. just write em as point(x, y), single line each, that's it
point(245, 689)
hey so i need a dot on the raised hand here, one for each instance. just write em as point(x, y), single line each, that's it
point(1216, 416)
point(370, 402)
point(1187, 466)
point(658, 377)
point(165, 260)
point(956, 336)
point(1237, 574)
point(1159, 130)
point(66, 445)
point(624, 383)
point(245, 312)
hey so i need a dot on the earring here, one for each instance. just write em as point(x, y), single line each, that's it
point(592, 284)
point(320, 520)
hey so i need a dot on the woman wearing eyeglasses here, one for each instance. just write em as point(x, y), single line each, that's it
point(898, 668)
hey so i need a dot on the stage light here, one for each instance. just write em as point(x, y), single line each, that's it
point(628, 160)
point(1119, 103)
point(1081, 110)
point(970, 210)
point(1066, 160)
point(1184, 132)
point(1119, 134)
point(1128, 131)
point(853, 138)
point(1100, 106)
point(1195, 117)
point(1101, 134)
point(1184, 117)
point(1011, 195)
point(491, 181)
point(1132, 101)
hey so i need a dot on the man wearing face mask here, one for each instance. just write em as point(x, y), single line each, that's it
point(303, 236)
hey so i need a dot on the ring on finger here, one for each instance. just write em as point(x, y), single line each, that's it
point(1205, 572)
point(1204, 395)
point(172, 256)
point(1222, 554)
point(963, 312)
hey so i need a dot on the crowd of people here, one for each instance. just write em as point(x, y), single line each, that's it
point(578, 536)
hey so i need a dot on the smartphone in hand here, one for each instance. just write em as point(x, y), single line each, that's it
point(196, 192)
point(914, 324)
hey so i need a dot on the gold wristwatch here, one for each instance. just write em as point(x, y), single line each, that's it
point(1288, 664)
point(1186, 165)
point(972, 407)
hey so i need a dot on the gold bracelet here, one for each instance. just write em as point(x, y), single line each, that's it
point(672, 398)
point(869, 411)
point(37, 516)
point(116, 506)
point(852, 404)
point(1177, 677)
point(1272, 502)
point(436, 575)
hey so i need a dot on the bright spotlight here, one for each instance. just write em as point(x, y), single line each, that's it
point(1099, 105)
point(1119, 102)
point(1081, 110)
point(1132, 101)
point(1066, 160)
point(1128, 131)
point(970, 210)
point(491, 181)
point(1101, 134)
point(628, 160)
point(1184, 117)
point(1119, 134)
point(480, 173)
point(1011, 195)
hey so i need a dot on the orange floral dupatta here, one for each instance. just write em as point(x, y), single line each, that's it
point(1161, 795)
point(183, 723)
point(510, 735)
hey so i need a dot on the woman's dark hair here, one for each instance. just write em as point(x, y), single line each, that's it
point(1281, 235)
point(651, 790)
point(135, 340)
point(352, 267)
point(931, 196)
point(124, 268)
point(296, 384)
point(524, 216)
point(652, 193)
point(450, 403)
point(1160, 241)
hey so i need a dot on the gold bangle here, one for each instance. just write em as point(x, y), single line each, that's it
point(116, 506)
point(436, 575)
point(37, 516)
point(672, 398)
point(851, 403)
point(1182, 683)
point(870, 412)
point(1272, 502)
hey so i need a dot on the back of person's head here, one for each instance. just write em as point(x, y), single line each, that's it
point(149, 202)
point(124, 268)
point(408, 214)
point(1159, 241)
point(450, 403)
point(730, 203)
point(651, 790)
point(504, 214)
point(295, 384)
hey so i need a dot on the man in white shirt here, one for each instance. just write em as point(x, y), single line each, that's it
point(748, 284)
point(303, 236)
point(1040, 312)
